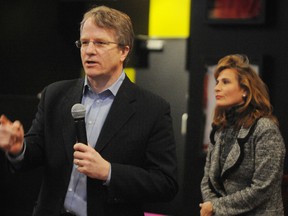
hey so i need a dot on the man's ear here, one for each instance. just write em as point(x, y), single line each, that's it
point(125, 52)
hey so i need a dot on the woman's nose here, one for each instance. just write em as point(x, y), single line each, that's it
point(217, 87)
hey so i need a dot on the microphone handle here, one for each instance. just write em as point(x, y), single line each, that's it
point(81, 131)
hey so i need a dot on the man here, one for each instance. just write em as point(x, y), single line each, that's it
point(130, 157)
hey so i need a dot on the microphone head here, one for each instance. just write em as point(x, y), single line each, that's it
point(78, 111)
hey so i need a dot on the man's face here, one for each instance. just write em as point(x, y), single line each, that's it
point(101, 60)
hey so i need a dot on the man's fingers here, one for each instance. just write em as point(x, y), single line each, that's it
point(4, 120)
point(17, 126)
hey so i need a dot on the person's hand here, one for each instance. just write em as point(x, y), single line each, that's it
point(11, 135)
point(90, 162)
point(206, 209)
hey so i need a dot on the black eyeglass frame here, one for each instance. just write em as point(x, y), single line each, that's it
point(79, 43)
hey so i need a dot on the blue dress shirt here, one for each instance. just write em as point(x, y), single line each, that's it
point(97, 108)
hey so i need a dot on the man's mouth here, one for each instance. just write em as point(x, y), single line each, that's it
point(91, 62)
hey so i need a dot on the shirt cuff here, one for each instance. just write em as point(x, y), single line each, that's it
point(18, 158)
point(107, 182)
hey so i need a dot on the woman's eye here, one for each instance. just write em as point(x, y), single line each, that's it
point(226, 81)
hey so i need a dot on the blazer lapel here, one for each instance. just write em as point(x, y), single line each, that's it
point(235, 156)
point(232, 158)
point(73, 96)
point(216, 174)
point(120, 112)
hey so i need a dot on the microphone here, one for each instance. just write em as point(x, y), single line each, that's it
point(78, 113)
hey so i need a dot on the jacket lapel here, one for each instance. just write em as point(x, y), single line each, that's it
point(120, 112)
point(232, 158)
point(235, 156)
point(73, 96)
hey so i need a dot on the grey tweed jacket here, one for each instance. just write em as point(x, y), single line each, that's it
point(250, 181)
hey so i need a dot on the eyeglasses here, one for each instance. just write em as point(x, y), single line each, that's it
point(98, 44)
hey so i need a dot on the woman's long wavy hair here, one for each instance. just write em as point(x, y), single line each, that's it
point(257, 101)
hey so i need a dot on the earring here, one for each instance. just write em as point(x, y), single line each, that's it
point(244, 95)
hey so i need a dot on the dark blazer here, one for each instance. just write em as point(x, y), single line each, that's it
point(136, 138)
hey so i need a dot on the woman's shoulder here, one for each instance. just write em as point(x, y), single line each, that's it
point(258, 127)
point(266, 122)
point(267, 127)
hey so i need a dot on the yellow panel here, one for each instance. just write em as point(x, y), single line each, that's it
point(169, 18)
point(131, 73)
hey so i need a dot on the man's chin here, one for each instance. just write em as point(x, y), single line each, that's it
point(92, 72)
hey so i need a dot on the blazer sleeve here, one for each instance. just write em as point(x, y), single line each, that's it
point(156, 178)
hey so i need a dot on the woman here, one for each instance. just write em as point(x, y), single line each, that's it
point(244, 164)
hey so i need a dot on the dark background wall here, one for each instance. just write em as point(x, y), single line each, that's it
point(167, 76)
point(210, 42)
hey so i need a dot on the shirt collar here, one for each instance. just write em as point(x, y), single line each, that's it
point(113, 88)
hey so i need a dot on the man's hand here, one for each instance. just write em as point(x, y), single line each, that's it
point(90, 162)
point(11, 135)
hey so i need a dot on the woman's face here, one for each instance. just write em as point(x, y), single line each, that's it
point(228, 92)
